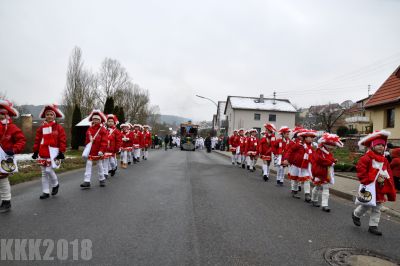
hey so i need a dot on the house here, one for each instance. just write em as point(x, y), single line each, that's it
point(358, 119)
point(384, 106)
point(254, 112)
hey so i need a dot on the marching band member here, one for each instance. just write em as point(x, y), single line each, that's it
point(281, 145)
point(266, 149)
point(300, 156)
point(49, 135)
point(126, 146)
point(246, 157)
point(234, 143)
point(323, 169)
point(114, 139)
point(147, 141)
point(137, 142)
point(12, 141)
point(242, 139)
point(252, 150)
point(373, 167)
point(96, 137)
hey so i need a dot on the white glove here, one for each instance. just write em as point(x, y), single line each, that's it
point(100, 153)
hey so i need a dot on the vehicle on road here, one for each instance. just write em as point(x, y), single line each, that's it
point(188, 136)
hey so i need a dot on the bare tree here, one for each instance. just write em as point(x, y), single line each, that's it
point(325, 117)
point(112, 77)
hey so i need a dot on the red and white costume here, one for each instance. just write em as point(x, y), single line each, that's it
point(242, 147)
point(299, 156)
point(49, 135)
point(114, 141)
point(12, 141)
point(266, 147)
point(98, 135)
point(323, 168)
point(234, 143)
point(281, 146)
point(126, 146)
point(374, 167)
point(146, 141)
point(252, 150)
point(137, 142)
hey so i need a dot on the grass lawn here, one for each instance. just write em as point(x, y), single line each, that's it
point(30, 170)
point(346, 160)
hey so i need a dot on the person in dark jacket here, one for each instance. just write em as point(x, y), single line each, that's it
point(166, 141)
point(207, 143)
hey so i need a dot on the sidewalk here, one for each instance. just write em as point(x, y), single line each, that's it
point(346, 186)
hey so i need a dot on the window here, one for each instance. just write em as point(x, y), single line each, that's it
point(257, 116)
point(390, 117)
point(272, 118)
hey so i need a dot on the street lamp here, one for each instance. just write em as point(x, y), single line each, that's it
point(208, 99)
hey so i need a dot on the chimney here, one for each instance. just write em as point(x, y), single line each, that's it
point(261, 98)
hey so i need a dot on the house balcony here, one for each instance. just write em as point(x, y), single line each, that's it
point(358, 119)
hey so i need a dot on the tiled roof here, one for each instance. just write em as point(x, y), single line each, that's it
point(389, 92)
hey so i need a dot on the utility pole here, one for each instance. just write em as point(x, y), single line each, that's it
point(274, 102)
point(369, 90)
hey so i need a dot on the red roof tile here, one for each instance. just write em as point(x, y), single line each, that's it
point(389, 92)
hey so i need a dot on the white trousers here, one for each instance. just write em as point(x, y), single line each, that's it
point(265, 168)
point(5, 189)
point(146, 154)
point(324, 191)
point(136, 153)
point(375, 215)
point(109, 164)
point(125, 156)
point(49, 178)
point(88, 172)
point(296, 184)
point(251, 162)
point(280, 175)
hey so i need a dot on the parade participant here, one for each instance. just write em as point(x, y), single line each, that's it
point(50, 138)
point(137, 142)
point(114, 139)
point(281, 146)
point(127, 143)
point(252, 150)
point(288, 160)
point(265, 149)
point(146, 141)
point(373, 167)
point(12, 141)
point(300, 155)
point(96, 138)
point(242, 147)
point(395, 166)
point(234, 143)
point(323, 169)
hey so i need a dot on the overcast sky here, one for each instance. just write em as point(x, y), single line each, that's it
point(310, 52)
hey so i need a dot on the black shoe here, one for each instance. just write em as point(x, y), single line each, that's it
point(356, 220)
point(307, 197)
point(294, 195)
point(113, 172)
point(280, 183)
point(251, 170)
point(105, 176)
point(45, 196)
point(243, 166)
point(265, 178)
point(109, 171)
point(316, 204)
point(131, 162)
point(5, 206)
point(299, 188)
point(326, 209)
point(145, 159)
point(238, 163)
point(85, 185)
point(138, 160)
point(54, 190)
point(374, 230)
point(102, 183)
point(233, 163)
point(248, 167)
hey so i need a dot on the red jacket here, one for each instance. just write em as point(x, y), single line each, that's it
point(100, 142)
point(295, 154)
point(11, 138)
point(395, 164)
point(114, 138)
point(266, 147)
point(366, 174)
point(242, 144)
point(281, 146)
point(321, 162)
point(129, 139)
point(146, 139)
point(57, 139)
point(137, 139)
point(252, 145)
point(234, 141)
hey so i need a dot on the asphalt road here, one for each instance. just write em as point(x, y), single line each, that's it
point(189, 208)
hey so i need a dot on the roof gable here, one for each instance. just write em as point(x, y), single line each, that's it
point(389, 92)
point(254, 103)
